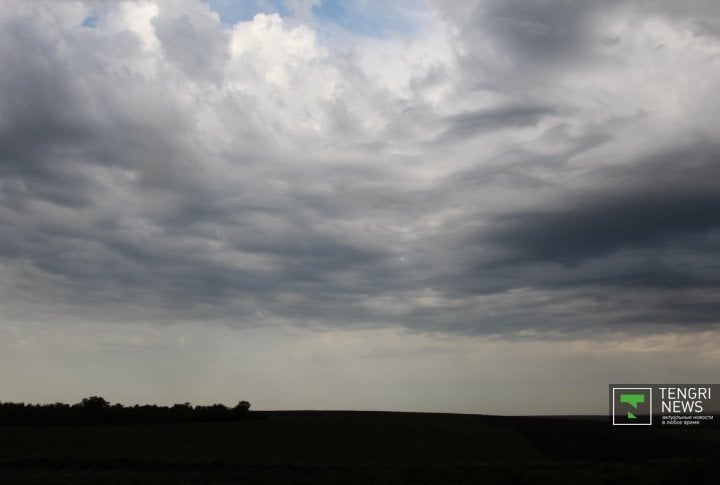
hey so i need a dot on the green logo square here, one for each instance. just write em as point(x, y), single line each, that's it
point(631, 406)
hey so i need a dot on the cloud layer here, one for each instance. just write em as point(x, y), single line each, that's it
point(516, 168)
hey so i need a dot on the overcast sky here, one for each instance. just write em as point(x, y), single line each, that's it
point(476, 206)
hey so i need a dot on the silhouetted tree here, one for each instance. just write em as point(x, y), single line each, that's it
point(94, 408)
point(242, 409)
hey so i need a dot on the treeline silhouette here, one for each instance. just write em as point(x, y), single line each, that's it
point(96, 410)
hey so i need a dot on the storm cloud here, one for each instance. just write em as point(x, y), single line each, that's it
point(490, 168)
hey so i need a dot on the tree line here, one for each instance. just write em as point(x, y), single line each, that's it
point(96, 410)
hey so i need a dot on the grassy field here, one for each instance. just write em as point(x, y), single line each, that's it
point(359, 447)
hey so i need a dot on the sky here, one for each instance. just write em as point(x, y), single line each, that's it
point(484, 206)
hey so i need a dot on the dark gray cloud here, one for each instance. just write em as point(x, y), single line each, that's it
point(517, 47)
point(665, 199)
point(592, 228)
point(538, 31)
point(485, 121)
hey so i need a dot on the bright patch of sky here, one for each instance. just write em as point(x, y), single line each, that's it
point(90, 21)
point(232, 11)
point(372, 18)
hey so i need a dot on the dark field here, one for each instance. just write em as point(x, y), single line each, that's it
point(359, 447)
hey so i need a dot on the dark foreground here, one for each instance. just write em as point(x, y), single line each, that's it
point(359, 447)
